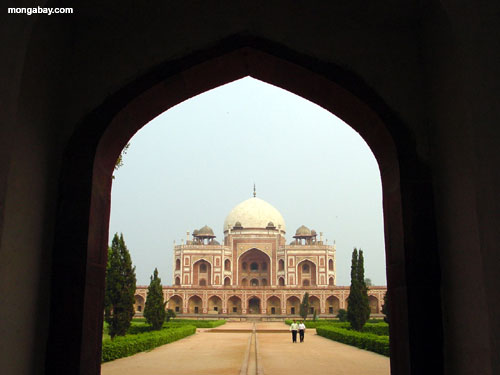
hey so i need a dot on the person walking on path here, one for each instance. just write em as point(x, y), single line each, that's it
point(293, 328)
point(302, 329)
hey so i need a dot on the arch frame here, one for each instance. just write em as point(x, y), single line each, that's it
point(88, 161)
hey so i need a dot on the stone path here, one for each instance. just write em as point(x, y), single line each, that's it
point(245, 348)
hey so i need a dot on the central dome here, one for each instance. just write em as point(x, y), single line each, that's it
point(254, 213)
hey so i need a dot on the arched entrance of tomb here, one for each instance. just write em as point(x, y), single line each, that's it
point(292, 305)
point(254, 266)
point(314, 305)
point(202, 273)
point(373, 301)
point(195, 305)
point(306, 271)
point(214, 305)
point(139, 303)
point(332, 305)
point(90, 156)
point(273, 306)
point(234, 305)
point(254, 305)
point(175, 304)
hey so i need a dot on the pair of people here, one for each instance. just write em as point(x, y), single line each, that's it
point(297, 327)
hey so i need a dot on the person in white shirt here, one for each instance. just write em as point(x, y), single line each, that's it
point(293, 328)
point(302, 329)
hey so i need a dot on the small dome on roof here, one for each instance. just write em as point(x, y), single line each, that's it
point(270, 225)
point(237, 225)
point(302, 231)
point(195, 232)
point(206, 231)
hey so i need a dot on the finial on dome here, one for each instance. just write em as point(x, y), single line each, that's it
point(254, 193)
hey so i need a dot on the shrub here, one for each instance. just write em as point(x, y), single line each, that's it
point(362, 340)
point(342, 315)
point(131, 344)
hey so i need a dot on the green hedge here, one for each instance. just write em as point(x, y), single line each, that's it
point(379, 328)
point(124, 346)
point(196, 323)
point(362, 340)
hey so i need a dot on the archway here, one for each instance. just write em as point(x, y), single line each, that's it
point(227, 265)
point(281, 281)
point(373, 301)
point(195, 305)
point(332, 305)
point(234, 305)
point(202, 273)
point(306, 271)
point(85, 183)
point(254, 266)
point(227, 281)
point(254, 305)
point(177, 281)
point(273, 305)
point(293, 305)
point(314, 305)
point(175, 304)
point(139, 303)
point(215, 305)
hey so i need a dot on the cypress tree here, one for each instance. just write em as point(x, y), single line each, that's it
point(154, 311)
point(365, 302)
point(304, 306)
point(120, 288)
point(358, 309)
point(385, 308)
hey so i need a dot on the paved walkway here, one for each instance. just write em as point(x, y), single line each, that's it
point(235, 349)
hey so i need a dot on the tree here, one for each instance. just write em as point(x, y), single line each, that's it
point(385, 308)
point(170, 314)
point(119, 161)
point(342, 315)
point(154, 311)
point(368, 282)
point(364, 288)
point(120, 288)
point(358, 309)
point(304, 306)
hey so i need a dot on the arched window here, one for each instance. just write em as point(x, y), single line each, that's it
point(330, 264)
point(254, 267)
point(264, 282)
point(281, 265)
point(227, 281)
point(203, 282)
point(254, 282)
point(244, 282)
point(177, 281)
point(330, 281)
point(305, 283)
point(264, 266)
point(203, 267)
point(244, 265)
point(305, 268)
point(177, 264)
point(227, 265)
point(281, 281)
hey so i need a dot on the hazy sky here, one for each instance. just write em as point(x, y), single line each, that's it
point(192, 164)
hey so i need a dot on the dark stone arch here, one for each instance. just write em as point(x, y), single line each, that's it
point(85, 184)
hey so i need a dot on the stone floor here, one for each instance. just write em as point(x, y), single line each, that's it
point(234, 348)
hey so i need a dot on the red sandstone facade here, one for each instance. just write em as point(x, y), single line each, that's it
point(254, 271)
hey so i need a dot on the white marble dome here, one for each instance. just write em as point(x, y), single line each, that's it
point(254, 213)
